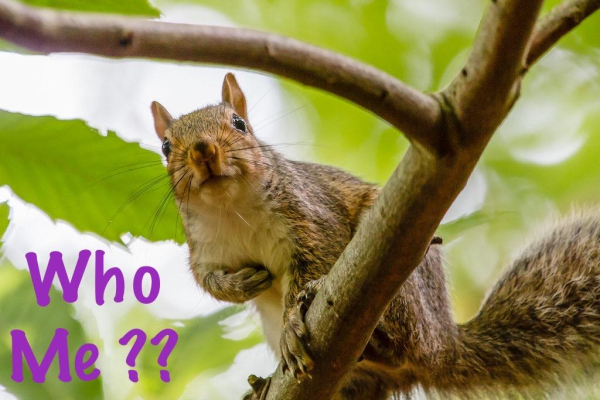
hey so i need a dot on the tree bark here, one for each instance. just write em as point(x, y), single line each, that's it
point(565, 17)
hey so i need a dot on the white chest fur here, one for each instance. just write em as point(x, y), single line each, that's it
point(233, 233)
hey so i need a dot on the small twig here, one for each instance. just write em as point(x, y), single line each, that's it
point(488, 85)
point(558, 23)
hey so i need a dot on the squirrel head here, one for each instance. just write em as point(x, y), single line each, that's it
point(211, 152)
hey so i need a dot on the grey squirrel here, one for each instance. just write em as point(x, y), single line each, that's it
point(265, 229)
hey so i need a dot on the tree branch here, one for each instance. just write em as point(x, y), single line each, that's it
point(412, 112)
point(391, 241)
point(560, 21)
point(387, 247)
point(488, 85)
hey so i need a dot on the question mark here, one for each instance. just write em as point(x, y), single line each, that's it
point(140, 340)
point(172, 338)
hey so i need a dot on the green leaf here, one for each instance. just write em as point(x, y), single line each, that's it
point(20, 311)
point(129, 7)
point(453, 229)
point(4, 209)
point(100, 184)
point(13, 48)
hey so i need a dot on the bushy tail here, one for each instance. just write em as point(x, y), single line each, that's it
point(542, 319)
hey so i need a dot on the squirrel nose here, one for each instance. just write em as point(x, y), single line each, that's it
point(203, 151)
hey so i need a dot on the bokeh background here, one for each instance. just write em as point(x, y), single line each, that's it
point(80, 169)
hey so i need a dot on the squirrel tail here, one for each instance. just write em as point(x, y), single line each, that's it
point(541, 319)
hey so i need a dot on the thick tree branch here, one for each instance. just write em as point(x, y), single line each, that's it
point(488, 85)
point(392, 240)
point(387, 247)
point(558, 23)
point(412, 112)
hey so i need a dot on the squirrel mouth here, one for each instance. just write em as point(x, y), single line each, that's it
point(213, 183)
point(211, 177)
point(206, 174)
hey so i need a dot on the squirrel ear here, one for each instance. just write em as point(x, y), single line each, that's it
point(233, 95)
point(162, 119)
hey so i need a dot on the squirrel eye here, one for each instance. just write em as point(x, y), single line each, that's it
point(238, 123)
point(166, 147)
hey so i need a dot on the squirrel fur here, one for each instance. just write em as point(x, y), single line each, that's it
point(264, 229)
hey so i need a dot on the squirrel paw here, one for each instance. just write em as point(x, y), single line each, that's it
point(294, 356)
point(240, 286)
point(251, 282)
point(260, 387)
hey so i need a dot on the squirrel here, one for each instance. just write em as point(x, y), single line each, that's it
point(267, 230)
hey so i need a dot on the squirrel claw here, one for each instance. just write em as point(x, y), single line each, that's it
point(294, 354)
point(294, 338)
point(305, 298)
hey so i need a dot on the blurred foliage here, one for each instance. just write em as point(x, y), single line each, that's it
point(21, 311)
point(458, 226)
point(7, 46)
point(100, 184)
point(201, 348)
point(130, 7)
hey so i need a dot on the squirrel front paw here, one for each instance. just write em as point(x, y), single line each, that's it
point(240, 286)
point(294, 337)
